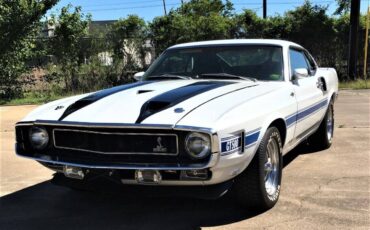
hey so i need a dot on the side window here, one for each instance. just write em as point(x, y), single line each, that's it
point(310, 62)
point(297, 60)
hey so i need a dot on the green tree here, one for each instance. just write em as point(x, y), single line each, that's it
point(307, 25)
point(18, 24)
point(127, 38)
point(194, 21)
point(343, 6)
point(311, 27)
point(67, 45)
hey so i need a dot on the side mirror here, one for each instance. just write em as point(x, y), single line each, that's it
point(138, 76)
point(300, 73)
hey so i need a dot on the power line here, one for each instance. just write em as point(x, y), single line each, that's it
point(132, 7)
point(164, 7)
point(128, 3)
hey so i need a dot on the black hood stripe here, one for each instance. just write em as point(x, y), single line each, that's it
point(83, 102)
point(168, 99)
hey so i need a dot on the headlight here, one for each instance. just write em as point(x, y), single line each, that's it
point(198, 145)
point(39, 137)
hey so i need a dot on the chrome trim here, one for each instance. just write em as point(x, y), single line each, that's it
point(27, 123)
point(215, 143)
point(214, 137)
point(194, 128)
point(123, 134)
point(168, 182)
point(212, 162)
point(116, 125)
point(101, 125)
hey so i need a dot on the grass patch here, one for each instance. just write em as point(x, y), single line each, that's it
point(33, 98)
point(359, 84)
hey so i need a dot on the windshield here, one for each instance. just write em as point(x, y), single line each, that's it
point(261, 62)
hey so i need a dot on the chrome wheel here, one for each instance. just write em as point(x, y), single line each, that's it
point(329, 123)
point(272, 166)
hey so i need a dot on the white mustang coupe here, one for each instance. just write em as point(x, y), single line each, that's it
point(206, 116)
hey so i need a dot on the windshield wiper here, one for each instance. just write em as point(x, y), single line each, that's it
point(167, 76)
point(224, 75)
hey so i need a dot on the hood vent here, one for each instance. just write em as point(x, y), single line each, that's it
point(144, 91)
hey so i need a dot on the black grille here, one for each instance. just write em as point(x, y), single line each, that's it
point(115, 142)
point(94, 158)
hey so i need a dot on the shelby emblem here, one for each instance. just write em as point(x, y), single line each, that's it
point(159, 148)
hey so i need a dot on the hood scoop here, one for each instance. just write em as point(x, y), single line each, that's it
point(75, 106)
point(152, 107)
point(168, 99)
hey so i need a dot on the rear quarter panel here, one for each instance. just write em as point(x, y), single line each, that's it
point(331, 79)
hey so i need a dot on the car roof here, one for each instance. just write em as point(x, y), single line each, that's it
point(278, 42)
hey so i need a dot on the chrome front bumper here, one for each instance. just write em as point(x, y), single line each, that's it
point(223, 168)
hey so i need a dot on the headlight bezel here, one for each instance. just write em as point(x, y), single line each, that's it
point(42, 133)
point(205, 152)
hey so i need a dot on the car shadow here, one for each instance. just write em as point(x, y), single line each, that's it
point(303, 148)
point(46, 205)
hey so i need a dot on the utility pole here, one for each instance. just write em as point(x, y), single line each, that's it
point(366, 41)
point(164, 7)
point(353, 39)
point(264, 5)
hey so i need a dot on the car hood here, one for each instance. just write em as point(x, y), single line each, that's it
point(160, 102)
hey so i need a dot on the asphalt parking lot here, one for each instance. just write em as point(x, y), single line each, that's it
point(320, 190)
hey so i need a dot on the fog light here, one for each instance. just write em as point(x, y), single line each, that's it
point(148, 176)
point(73, 172)
point(199, 174)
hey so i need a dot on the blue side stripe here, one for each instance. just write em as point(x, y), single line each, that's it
point(252, 131)
point(250, 139)
point(291, 120)
point(311, 110)
point(300, 115)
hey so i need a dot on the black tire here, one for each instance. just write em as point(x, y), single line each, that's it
point(322, 138)
point(250, 188)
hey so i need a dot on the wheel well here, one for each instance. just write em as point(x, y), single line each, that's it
point(280, 125)
point(334, 96)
